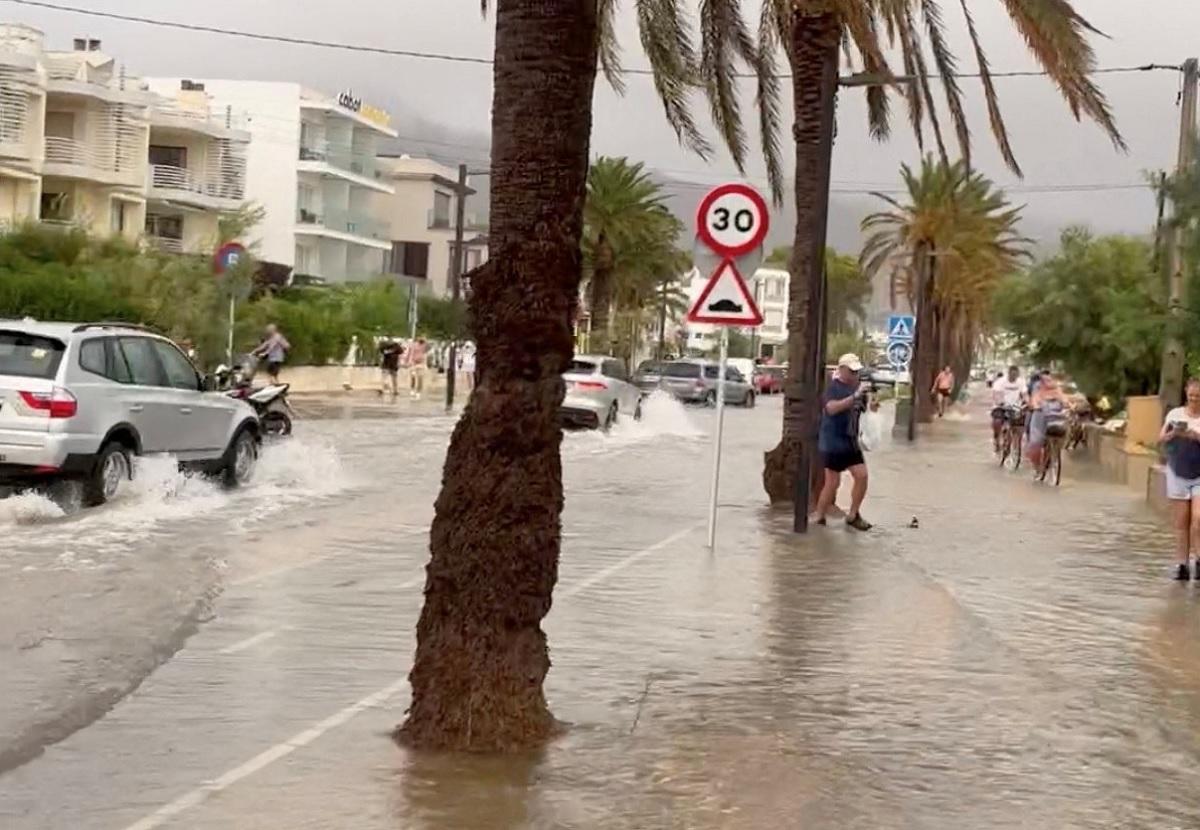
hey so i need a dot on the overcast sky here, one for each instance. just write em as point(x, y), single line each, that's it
point(1052, 148)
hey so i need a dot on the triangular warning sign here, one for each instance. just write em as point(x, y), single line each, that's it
point(725, 300)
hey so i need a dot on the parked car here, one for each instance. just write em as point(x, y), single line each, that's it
point(598, 393)
point(79, 401)
point(648, 376)
point(695, 381)
point(768, 380)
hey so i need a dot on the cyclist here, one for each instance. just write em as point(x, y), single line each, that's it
point(1008, 398)
point(1049, 406)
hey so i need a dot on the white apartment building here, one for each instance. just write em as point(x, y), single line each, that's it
point(197, 170)
point(311, 166)
point(75, 138)
point(420, 217)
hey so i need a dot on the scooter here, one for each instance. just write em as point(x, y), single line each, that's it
point(270, 402)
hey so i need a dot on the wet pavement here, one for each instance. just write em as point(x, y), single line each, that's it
point(1020, 659)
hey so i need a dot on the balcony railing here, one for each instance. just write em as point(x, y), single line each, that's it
point(71, 68)
point(181, 180)
point(97, 160)
point(170, 244)
point(344, 222)
point(360, 164)
point(197, 117)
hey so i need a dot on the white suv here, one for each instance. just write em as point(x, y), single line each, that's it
point(78, 401)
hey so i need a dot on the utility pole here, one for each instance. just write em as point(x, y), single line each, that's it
point(1170, 387)
point(456, 270)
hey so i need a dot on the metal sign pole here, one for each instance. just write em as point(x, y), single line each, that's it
point(716, 469)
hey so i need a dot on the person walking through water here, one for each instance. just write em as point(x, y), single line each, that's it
point(416, 361)
point(1180, 437)
point(466, 365)
point(389, 365)
point(943, 388)
point(838, 442)
point(274, 348)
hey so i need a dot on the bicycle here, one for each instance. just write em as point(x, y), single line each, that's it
point(1011, 438)
point(1056, 438)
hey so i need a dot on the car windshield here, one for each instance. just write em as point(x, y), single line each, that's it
point(682, 370)
point(582, 367)
point(649, 367)
point(29, 355)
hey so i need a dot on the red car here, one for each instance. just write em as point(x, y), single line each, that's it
point(768, 380)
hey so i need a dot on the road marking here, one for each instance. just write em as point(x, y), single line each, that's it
point(264, 759)
point(626, 562)
point(249, 642)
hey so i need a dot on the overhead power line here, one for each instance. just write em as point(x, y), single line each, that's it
point(469, 59)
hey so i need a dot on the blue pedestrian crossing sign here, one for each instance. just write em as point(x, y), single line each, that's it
point(901, 327)
point(899, 354)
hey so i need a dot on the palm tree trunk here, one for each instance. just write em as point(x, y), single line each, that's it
point(814, 62)
point(481, 655)
point(924, 362)
point(601, 297)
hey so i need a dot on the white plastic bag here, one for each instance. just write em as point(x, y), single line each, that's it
point(870, 431)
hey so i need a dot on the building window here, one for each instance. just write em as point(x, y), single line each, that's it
point(773, 319)
point(410, 259)
point(56, 207)
point(441, 209)
point(60, 125)
point(164, 227)
point(161, 156)
point(117, 216)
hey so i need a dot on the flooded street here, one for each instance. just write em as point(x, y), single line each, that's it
point(193, 658)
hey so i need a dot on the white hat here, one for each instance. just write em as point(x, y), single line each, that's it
point(851, 362)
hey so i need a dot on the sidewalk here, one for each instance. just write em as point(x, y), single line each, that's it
point(1019, 660)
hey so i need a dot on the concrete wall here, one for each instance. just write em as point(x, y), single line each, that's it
point(340, 379)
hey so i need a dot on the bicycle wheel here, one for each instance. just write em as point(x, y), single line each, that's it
point(1005, 448)
point(1017, 448)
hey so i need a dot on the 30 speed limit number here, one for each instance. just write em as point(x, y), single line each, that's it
point(733, 220)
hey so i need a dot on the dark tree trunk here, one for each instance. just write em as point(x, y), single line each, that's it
point(481, 654)
point(601, 297)
point(814, 62)
point(924, 362)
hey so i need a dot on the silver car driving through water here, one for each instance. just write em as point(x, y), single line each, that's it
point(598, 393)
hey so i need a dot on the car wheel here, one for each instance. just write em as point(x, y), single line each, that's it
point(750, 400)
point(637, 411)
point(610, 418)
point(241, 459)
point(711, 398)
point(112, 471)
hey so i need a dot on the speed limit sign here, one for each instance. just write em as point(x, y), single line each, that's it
point(733, 219)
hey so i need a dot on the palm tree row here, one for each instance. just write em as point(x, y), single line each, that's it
point(947, 248)
point(481, 655)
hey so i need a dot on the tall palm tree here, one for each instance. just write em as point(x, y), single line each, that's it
point(622, 200)
point(481, 654)
point(963, 232)
point(812, 32)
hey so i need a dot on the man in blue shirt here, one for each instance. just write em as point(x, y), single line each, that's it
point(838, 442)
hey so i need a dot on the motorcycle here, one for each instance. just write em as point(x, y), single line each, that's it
point(270, 402)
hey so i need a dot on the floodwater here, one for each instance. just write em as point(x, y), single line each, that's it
point(1020, 658)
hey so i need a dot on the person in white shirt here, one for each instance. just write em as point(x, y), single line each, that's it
point(1180, 437)
point(1008, 397)
point(466, 365)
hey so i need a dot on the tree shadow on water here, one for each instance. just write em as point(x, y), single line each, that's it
point(461, 791)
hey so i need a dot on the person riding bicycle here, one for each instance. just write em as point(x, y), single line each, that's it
point(1049, 414)
point(1008, 402)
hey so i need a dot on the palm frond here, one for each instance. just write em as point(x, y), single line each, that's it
point(667, 41)
point(947, 68)
point(609, 47)
point(1055, 34)
point(989, 93)
point(721, 34)
point(768, 96)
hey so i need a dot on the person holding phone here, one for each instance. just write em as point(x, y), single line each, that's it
point(1180, 438)
point(844, 402)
